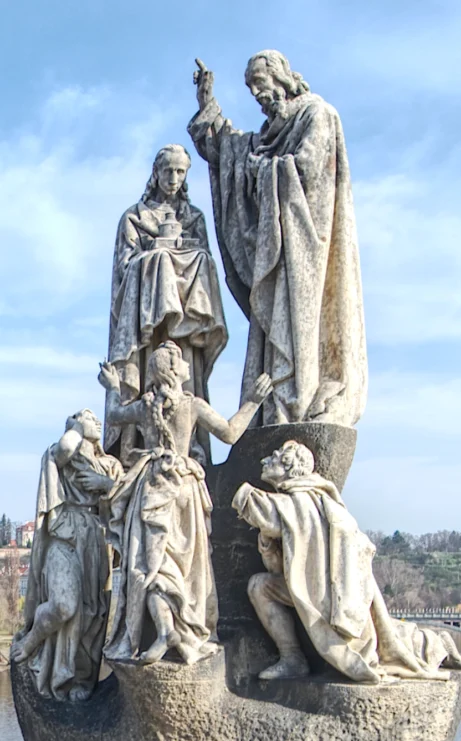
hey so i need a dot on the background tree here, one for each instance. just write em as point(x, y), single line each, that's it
point(9, 589)
point(401, 584)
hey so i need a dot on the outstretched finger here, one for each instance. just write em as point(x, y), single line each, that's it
point(200, 65)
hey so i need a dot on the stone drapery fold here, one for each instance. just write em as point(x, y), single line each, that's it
point(289, 246)
point(327, 567)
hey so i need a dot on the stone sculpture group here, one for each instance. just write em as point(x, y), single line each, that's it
point(286, 231)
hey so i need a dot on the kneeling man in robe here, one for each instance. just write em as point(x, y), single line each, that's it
point(320, 564)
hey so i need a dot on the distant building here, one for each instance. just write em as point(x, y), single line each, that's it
point(24, 575)
point(25, 534)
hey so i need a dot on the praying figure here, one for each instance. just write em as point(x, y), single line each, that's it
point(66, 606)
point(320, 564)
point(160, 514)
point(164, 286)
point(285, 224)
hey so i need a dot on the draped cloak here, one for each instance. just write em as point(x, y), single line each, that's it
point(160, 294)
point(326, 562)
point(69, 538)
point(289, 246)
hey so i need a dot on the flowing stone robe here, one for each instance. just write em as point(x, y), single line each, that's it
point(321, 565)
point(69, 541)
point(160, 294)
point(289, 246)
point(163, 506)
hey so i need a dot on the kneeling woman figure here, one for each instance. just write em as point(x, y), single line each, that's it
point(160, 513)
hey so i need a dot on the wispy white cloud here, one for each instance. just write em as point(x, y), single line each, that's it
point(46, 358)
point(414, 401)
point(418, 50)
point(61, 203)
point(411, 259)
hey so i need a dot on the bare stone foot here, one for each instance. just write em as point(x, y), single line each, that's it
point(209, 649)
point(79, 694)
point(18, 652)
point(289, 667)
point(160, 647)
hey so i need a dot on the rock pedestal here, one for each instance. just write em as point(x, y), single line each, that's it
point(220, 698)
point(174, 702)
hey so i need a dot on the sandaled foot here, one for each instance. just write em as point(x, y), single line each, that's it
point(290, 667)
point(159, 648)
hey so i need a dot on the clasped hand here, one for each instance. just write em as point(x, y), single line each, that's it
point(92, 481)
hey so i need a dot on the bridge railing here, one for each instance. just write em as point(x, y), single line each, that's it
point(430, 613)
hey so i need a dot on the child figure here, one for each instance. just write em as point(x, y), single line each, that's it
point(160, 513)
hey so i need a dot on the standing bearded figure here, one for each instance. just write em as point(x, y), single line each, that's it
point(286, 229)
point(164, 286)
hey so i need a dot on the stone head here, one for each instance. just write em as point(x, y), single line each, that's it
point(166, 366)
point(170, 170)
point(91, 425)
point(272, 81)
point(293, 460)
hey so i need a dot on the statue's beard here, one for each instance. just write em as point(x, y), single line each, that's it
point(274, 104)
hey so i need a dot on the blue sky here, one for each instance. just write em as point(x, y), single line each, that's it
point(92, 89)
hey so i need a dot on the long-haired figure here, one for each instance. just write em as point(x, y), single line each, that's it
point(164, 286)
point(160, 514)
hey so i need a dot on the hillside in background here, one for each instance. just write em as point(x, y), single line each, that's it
point(418, 571)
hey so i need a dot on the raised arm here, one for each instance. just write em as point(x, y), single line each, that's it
point(229, 431)
point(69, 444)
point(117, 413)
point(205, 127)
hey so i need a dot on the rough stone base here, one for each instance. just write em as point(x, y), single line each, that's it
point(174, 702)
point(221, 699)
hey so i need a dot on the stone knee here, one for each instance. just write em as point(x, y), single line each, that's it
point(257, 587)
point(65, 609)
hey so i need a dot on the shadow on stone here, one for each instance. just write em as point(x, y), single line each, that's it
point(43, 719)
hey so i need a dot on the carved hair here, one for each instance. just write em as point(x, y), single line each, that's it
point(297, 460)
point(279, 66)
point(162, 375)
point(89, 414)
point(150, 191)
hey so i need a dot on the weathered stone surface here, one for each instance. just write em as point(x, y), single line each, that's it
point(160, 514)
point(222, 700)
point(66, 607)
point(319, 563)
point(235, 550)
point(282, 203)
point(174, 702)
point(164, 286)
point(99, 719)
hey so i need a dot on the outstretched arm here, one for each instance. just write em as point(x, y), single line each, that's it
point(229, 431)
point(117, 413)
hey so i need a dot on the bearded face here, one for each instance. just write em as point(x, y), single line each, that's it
point(267, 90)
